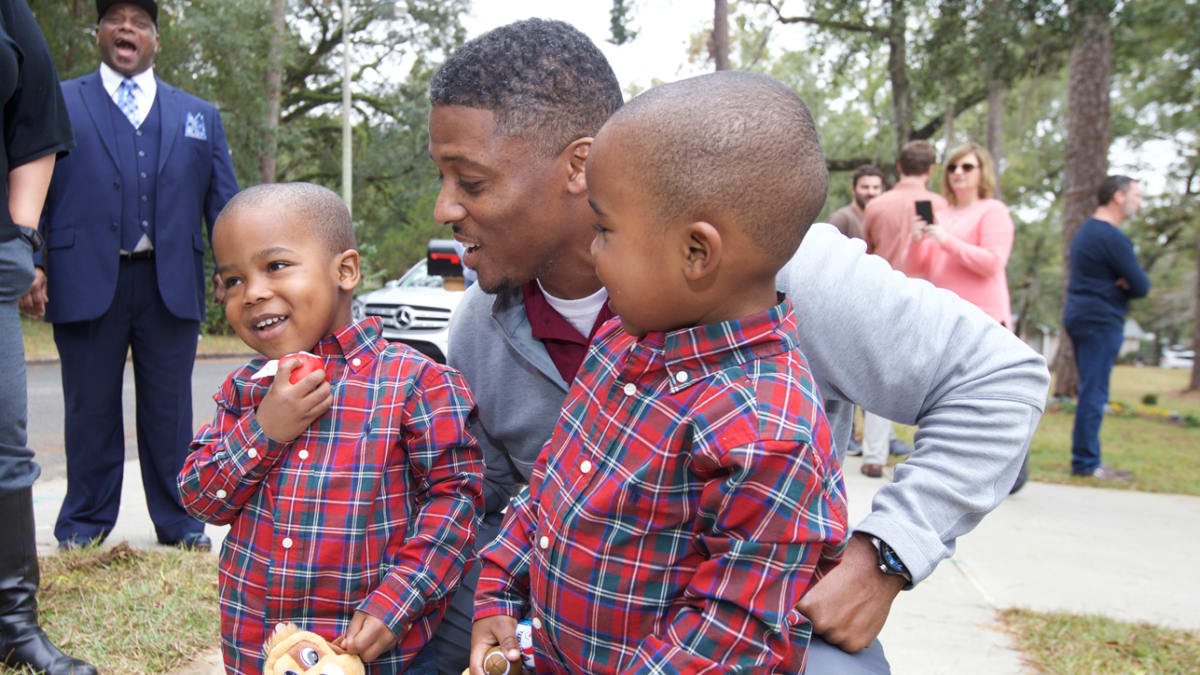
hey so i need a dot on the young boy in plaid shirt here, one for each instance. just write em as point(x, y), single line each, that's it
point(689, 494)
point(353, 502)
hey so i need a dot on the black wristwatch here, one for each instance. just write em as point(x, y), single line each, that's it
point(889, 562)
point(31, 235)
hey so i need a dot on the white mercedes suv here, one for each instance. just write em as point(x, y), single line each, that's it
point(415, 310)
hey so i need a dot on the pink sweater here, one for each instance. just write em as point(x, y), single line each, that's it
point(971, 260)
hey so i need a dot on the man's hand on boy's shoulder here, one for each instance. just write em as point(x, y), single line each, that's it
point(288, 409)
point(489, 632)
point(366, 636)
point(849, 605)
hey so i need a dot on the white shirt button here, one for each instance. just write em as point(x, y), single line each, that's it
point(287, 542)
point(586, 466)
point(630, 389)
point(544, 542)
point(303, 454)
point(681, 376)
point(537, 623)
point(252, 453)
point(221, 494)
point(356, 362)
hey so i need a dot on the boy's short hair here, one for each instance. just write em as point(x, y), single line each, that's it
point(916, 157)
point(1110, 186)
point(865, 170)
point(544, 81)
point(322, 209)
point(730, 144)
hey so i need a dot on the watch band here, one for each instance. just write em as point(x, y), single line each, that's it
point(31, 235)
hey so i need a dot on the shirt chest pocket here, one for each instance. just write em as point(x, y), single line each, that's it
point(652, 494)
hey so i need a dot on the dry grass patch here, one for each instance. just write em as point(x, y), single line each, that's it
point(128, 610)
point(1058, 642)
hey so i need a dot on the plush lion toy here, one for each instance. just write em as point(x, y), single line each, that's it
point(291, 651)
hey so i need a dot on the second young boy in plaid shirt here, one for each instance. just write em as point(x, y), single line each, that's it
point(689, 494)
point(353, 502)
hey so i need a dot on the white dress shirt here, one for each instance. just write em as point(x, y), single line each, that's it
point(143, 94)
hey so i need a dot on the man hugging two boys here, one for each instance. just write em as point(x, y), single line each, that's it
point(689, 494)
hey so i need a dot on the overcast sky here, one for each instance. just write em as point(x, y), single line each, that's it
point(659, 51)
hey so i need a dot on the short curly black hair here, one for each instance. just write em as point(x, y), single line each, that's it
point(544, 81)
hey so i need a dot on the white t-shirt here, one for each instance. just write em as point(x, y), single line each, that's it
point(579, 313)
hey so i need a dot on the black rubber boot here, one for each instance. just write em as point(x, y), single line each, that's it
point(22, 642)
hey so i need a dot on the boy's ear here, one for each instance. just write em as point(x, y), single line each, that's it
point(702, 250)
point(577, 153)
point(347, 267)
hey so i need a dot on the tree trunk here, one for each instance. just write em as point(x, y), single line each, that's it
point(898, 73)
point(719, 46)
point(997, 95)
point(71, 58)
point(1194, 385)
point(1090, 78)
point(948, 125)
point(267, 161)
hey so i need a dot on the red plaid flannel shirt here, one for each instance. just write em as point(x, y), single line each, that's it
point(373, 508)
point(687, 499)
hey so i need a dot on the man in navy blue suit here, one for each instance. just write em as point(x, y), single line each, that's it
point(123, 269)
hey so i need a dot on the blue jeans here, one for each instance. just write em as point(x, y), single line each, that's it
point(425, 662)
point(1096, 350)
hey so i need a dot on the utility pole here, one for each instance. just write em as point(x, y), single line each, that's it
point(347, 171)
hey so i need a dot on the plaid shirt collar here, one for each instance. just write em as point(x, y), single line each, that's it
point(358, 343)
point(691, 354)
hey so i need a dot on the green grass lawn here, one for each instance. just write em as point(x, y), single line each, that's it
point(1163, 457)
point(1070, 643)
point(39, 342)
point(127, 610)
point(1130, 383)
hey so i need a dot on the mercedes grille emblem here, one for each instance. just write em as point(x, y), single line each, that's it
point(404, 317)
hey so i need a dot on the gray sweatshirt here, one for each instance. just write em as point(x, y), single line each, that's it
point(895, 346)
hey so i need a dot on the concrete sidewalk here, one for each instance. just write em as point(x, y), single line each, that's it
point(1127, 555)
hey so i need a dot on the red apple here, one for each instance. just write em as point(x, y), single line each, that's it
point(308, 363)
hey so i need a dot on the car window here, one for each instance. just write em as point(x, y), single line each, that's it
point(418, 277)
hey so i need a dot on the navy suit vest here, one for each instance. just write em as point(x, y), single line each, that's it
point(137, 157)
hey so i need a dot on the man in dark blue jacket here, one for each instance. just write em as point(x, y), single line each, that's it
point(1105, 274)
point(124, 269)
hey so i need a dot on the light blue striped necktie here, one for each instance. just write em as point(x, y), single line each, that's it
point(126, 102)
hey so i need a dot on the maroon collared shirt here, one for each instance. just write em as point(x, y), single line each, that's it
point(563, 343)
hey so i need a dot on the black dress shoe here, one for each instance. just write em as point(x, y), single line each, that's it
point(192, 541)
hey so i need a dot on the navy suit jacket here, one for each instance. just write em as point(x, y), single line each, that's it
point(81, 219)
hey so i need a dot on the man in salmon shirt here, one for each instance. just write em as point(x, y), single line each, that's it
point(887, 220)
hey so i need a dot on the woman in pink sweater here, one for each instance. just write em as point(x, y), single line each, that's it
point(967, 246)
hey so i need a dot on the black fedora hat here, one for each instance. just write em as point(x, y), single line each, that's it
point(150, 6)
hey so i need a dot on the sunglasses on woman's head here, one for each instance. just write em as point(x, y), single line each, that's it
point(966, 167)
